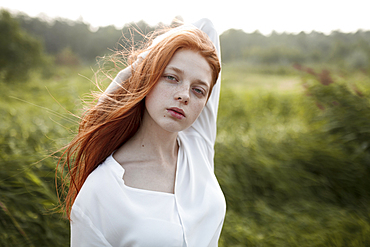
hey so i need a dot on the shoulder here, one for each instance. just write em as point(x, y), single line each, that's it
point(95, 208)
point(100, 184)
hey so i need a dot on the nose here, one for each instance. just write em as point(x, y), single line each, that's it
point(183, 95)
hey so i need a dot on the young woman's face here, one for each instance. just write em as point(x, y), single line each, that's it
point(179, 96)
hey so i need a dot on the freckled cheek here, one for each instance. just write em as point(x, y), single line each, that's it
point(198, 110)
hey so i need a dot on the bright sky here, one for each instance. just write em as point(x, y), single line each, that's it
point(264, 15)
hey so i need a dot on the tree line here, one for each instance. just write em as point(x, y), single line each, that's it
point(74, 42)
point(78, 36)
point(348, 50)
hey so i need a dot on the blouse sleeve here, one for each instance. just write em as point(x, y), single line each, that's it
point(205, 125)
point(83, 231)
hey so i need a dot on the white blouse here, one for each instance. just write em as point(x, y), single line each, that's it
point(107, 212)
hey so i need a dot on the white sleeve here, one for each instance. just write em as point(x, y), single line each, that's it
point(205, 125)
point(83, 231)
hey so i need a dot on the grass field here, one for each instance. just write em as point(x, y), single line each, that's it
point(239, 79)
point(286, 159)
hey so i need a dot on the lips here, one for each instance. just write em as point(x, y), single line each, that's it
point(176, 112)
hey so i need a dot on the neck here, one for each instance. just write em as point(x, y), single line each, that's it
point(156, 142)
point(150, 143)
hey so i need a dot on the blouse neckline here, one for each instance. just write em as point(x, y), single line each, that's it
point(145, 191)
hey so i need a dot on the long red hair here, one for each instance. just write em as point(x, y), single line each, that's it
point(117, 117)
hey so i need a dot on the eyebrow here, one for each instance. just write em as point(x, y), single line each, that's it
point(180, 71)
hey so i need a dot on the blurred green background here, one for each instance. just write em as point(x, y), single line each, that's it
point(292, 152)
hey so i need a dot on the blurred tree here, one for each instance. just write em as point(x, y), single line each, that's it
point(233, 41)
point(344, 50)
point(78, 36)
point(19, 51)
point(67, 58)
point(348, 50)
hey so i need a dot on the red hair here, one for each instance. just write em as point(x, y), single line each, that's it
point(109, 124)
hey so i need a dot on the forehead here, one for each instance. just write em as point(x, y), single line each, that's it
point(192, 64)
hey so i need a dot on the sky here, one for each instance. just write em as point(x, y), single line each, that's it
point(262, 15)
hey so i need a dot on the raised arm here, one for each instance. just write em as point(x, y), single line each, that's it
point(205, 125)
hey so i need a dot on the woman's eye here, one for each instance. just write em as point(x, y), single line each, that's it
point(199, 91)
point(171, 78)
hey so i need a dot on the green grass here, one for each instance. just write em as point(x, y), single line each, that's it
point(286, 167)
point(35, 122)
point(240, 79)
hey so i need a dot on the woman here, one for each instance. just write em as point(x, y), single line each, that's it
point(141, 166)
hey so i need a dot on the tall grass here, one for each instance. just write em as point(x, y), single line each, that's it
point(34, 124)
point(294, 163)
